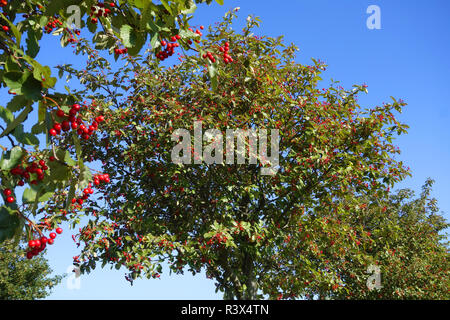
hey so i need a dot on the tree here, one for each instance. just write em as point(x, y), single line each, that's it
point(21, 278)
point(405, 237)
point(281, 235)
point(125, 28)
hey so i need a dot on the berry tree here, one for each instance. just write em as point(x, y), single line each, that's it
point(285, 235)
point(118, 27)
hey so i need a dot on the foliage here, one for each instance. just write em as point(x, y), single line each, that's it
point(286, 235)
point(404, 237)
point(24, 24)
point(23, 279)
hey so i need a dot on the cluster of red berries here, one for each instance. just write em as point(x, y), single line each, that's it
point(74, 123)
point(99, 10)
point(52, 24)
point(101, 178)
point(3, 3)
point(169, 49)
point(38, 245)
point(226, 57)
point(218, 238)
point(170, 46)
point(72, 39)
point(120, 51)
point(7, 193)
point(36, 168)
point(88, 191)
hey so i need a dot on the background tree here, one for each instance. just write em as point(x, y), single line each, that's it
point(253, 234)
point(21, 278)
point(405, 236)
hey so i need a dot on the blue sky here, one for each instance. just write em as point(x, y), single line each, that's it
point(407, 58)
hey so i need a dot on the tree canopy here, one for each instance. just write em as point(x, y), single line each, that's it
point(309, 219)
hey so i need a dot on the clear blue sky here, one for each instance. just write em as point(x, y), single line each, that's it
point(408, 58)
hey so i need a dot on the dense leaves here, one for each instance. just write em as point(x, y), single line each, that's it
point(295, 233)
point(23, 279)
point(31, 86)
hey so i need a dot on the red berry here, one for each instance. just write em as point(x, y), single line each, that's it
point(65, 125)
point(44, 240)
point(59, 230)
point(10, 199)
point(29, 255)
point(52, 158)
point(53, 132)
point(21, 183)
point(50, 241)
point(57, 127)
point(7, 192)
point(5, 28)
point(42, 163)
point(112, 4)
point(178, 37)
point(31, 243)
point(52, 235)
point(173, 39)
point(60, 113)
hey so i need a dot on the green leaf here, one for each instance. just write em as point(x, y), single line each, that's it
point(166, 5)
point(25, 137)
point(6, 115)
point(23, 83)
point(29, 195)
point(32, 44)
point(38, 128)
point(85, 177)
point(42, 111)
point(155, 43)
point(9, 223)
point(14, 29)
point(20, 118)
point(212, 71)
point(12, 65)
point(31, 88)
point(13, 80)
point(58, 171)
point(128, 36)
point(64, 156)
point(18, 102)
point(12, 158)
point(190, 7)
point(71, 193)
